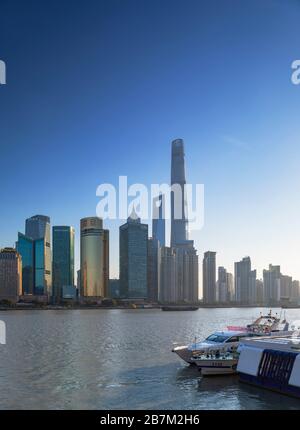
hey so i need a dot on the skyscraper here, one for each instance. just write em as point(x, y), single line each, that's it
point(286, 283)
point(38, 228)
point(272, 279)
point(153, 268)
point(25, 247)
point(35, 249)
point(10, 274)
point(158, 220)
point(62, 260)
point(209, 277)
point(223, 287)
point(245, 282)
point(94, 258)
point(186, 255)
point(133, 258)
point(179, 231)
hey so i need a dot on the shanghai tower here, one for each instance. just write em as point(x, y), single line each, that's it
point(179, 222)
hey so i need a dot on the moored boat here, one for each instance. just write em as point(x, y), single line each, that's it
point(265, 324)
point(272, 363)
point(226, 341)
point(180, 308)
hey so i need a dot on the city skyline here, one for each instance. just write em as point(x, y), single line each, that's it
point(89, 125)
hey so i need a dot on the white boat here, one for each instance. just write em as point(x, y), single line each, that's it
point(226, 341)
point(272, 363)
point(216, 364)
point(267, 324)
point(229, 339)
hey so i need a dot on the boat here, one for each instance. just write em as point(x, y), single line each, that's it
point(267, 324)
point(214, 363)
point(271, 363)
point(226, 341)
point(180, 308)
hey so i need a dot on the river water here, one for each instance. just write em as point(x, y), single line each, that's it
point(119, 359)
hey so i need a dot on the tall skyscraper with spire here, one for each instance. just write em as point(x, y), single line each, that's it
point(179, 222)
point(179, 262)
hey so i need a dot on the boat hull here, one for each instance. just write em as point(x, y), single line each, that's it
point(216, 367)
point(213, 371)
point(184, 353)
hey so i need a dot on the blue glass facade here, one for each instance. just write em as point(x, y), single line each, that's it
point(63, 259)
point(133, 259)
point(35, 250)
point(39, 266)
point(25, 247)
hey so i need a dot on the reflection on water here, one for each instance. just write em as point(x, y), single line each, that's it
point(119, 359)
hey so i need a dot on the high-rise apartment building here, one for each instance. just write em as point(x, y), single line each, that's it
point(168, 292)
point(245, 282)
point(272, 281)
point(209, 277)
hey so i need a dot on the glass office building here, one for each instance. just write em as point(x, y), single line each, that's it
point(62, 259)
point(25, 247)
point(94, 258)
point(133, 258)
point(35, 249)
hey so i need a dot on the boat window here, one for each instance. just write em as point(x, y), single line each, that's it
point(233, 339)
point(217, 338)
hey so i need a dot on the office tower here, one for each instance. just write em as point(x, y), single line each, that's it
point(153, 268)
point(223, 288)
point(272, 279)
point(168, 292)
point(25, 247)
point(209, 277)
point(10, 275)
point(286, 283)
point(94, 258)
point(158, 220)
point(179, 228)
point(245, 282)
point(187, 265)
point(133, 258)
point(62, 259)
point(38, 228)
point(34, 247)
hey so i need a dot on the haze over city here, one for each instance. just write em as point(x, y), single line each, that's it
point(82, 108)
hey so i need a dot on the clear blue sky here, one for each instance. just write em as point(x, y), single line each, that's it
point(98, 89)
